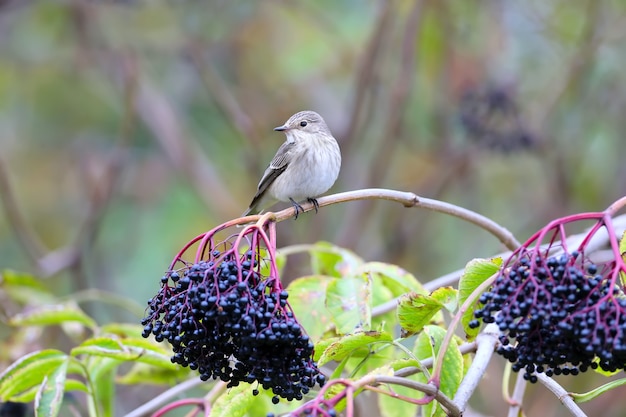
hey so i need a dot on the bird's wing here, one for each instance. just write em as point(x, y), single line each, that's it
point(277, 166)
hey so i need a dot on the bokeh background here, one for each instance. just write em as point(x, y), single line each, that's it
point(129, 127)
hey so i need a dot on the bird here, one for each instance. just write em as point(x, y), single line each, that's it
point(305, 166)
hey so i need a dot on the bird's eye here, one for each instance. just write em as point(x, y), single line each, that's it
point(303, 123)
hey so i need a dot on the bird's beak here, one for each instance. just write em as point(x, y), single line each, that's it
point(281, 128)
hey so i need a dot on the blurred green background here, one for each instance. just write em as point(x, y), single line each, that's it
point(129, 127)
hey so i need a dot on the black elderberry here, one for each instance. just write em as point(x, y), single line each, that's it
point(233, 330)
point(557, 316)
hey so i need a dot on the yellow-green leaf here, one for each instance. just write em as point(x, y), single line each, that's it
point(307, 297)
point(356, 344)
point(142, 374)
point(348, 300)
point(50, 395)
point(332, 260)
point(53, 315)
point(476, 272)
point(398, 280)
point(129, 349)
point(234, 402)
point(415, 311)
point(427, 345)
point(29, 371)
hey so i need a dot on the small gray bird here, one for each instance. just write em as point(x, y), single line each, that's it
point(304, 167)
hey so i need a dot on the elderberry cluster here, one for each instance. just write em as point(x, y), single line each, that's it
point(557, 315)
point(223, 319)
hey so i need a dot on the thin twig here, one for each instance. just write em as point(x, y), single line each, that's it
point(428, 389)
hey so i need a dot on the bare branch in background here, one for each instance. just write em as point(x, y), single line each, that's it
point(160, 118)
point(27, 237)
point(221, 94)
point(366, 74)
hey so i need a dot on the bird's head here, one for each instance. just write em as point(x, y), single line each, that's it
point(303, 123)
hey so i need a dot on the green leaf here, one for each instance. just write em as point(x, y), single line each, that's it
point(446, 296)
point(24, 288)
point(331, 260)
point(356, 344)
point(142, 374)
point(622, 246)
point(234, 402)
point(29, 371)
point(307, 297)
point(129, 349)
point(103, 380)
point(427, 346)
point(122, 330)
point(415, 311)
point(476, 272)
point(348, 300)
point(588, 396)
point(396, 279)
point(53, 315)
point(389, 406)
point(50, 395)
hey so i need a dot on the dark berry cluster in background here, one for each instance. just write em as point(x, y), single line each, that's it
point(559, 314)
point(230, 323)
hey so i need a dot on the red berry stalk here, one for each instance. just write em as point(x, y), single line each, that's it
point(226, 314)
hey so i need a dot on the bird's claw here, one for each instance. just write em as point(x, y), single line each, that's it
point(313, 201)
point(297, 206)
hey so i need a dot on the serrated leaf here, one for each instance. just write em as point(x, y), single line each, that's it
point(415, 311)
point(356, 344)
point(427, 346)
point(53, 315)
point(234, 402)
point(446, 296)
point(476, 272)
point(332, 260)
point(348, 301)
point(322, 345)
point(588, 396)
point(128, 349)
point(396, 279)
point(28, 372)
point(307, 297)
point(50, 395)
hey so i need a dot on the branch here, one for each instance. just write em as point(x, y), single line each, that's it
point(428, 389)
point(486, 343)
point(408, 199)
point(561, 394)
point(29, 240)
point(166, 396)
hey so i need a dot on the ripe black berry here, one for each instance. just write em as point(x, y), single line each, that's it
point(226, 320)
point(558, 315)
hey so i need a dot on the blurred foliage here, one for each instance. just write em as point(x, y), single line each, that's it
point(127, 127)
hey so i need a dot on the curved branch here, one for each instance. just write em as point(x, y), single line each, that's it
point(428, 389)
point(409, 199)
point(486, 342)
point(561, 394)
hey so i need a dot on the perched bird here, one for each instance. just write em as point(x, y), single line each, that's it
point(304, 167)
